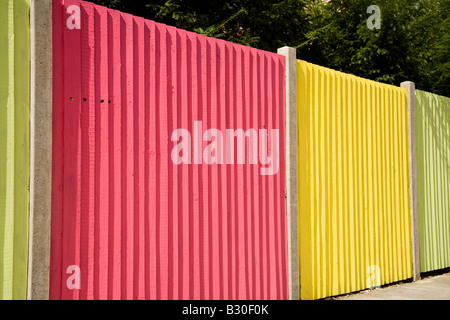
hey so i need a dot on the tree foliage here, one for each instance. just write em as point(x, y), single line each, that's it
point(412, 44)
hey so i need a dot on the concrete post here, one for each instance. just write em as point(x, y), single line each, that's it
point(291, 169)
point(410, 86)
point(40, 149)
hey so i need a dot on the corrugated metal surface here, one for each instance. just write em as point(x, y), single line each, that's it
point(354, 210)
point(137, 225)
point(433, 179)
point(14, 146)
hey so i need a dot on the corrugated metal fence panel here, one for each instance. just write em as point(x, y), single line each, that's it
point(14, 146)
point(135, 224)
point(433, 179)
point(354, 209)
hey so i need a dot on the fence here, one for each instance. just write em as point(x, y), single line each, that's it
point(14, 147)
point(168, 162)
point(353, 183)
point(433, 179)
point(176, 166)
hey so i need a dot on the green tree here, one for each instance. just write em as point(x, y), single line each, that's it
point(430, 49)
point(412, 44)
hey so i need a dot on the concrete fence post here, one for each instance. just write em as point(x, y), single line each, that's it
point(40, 149)
point(291, 169)
point(410, 86)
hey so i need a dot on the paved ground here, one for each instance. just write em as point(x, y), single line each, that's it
point(431, 288)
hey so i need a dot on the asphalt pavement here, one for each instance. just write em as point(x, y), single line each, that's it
point(429, 288)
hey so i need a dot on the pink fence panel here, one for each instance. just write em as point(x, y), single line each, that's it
point(168, 162)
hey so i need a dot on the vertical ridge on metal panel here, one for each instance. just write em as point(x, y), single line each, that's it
point(71, 135)
point(433, 179)
point(158, 191)
point(353, 183)
point(14, 147)
point(57, 164)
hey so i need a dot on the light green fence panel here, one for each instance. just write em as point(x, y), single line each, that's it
point(14, 146)
point(433, 179)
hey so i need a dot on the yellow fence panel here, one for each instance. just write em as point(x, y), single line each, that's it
point(14, 146)
point(353, 183)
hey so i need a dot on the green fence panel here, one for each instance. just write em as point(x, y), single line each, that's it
point(14, 146)
point(433, 179)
